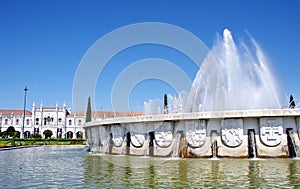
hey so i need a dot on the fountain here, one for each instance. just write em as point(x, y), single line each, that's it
point(175, 152)
point(230, 78)
point(233, 92)
point(291, 143)
point(214, 147)
point(252, 144)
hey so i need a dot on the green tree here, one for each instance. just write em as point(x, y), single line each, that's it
point(36, 135)
point(165, 104)
point(13, 142)
point(18, 134)
point(48, 133)
point(10, 131)
point(88, 115)
point(292, 102)
point(79, 135)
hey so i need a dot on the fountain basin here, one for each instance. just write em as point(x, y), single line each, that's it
point(202, 134)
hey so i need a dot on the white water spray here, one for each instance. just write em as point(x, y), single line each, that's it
point(232, 77)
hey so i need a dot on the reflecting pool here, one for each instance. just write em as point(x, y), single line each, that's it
point(73, 167)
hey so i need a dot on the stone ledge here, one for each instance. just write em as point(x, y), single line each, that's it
point(197, 115)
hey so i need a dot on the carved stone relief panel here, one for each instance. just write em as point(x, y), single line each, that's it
point(195, 133)
point(271, 131)
point(118, 133)
point(232, 132)
point(163, 135)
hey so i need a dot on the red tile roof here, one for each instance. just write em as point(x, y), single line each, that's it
point(47, 107)
point(107, 114)
point(78, 113)
point(15, 112)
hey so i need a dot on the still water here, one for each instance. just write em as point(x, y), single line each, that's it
point(73, 167)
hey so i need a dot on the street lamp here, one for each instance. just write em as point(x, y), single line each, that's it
point(25, 94)
point(0, 121)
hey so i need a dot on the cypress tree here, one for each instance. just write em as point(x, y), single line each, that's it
point(292, 102)
point(165, 104)
point(88, 115)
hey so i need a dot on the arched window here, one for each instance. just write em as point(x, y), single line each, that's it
point(59, 120)
point(17, 121)
point(79, 122)
point(37, 121)
point(69, 134)
point(27, 134)
point(48, 119)
point(6, 121)
point(70, 122)
point(27, 121)
point(79, 134)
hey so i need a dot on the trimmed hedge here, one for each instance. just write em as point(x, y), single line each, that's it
point(32, 141)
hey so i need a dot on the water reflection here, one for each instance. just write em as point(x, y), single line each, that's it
point(254, 174)
point(69, 167)
point(187, 173)
point(41, 167)
point(294, 173)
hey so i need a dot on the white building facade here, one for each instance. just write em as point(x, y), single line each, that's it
point(59, 120)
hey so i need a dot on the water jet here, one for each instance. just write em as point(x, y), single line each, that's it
point(292, 148)
point(252, 144)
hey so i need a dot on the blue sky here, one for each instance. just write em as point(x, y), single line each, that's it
point(43, 42)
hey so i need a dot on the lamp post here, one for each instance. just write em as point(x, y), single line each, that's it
point(25, 94)
point(0, 121)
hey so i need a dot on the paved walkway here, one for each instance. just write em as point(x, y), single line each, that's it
point(16, 147)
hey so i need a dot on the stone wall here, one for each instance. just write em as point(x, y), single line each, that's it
point(192, 135)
